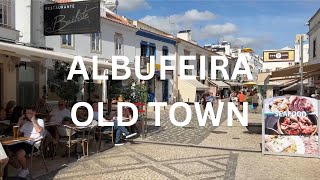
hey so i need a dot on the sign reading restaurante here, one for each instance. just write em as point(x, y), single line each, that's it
point(72, 18)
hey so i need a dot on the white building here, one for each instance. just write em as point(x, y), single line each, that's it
point(314, 52)
point(150, 41)
point(191, 90)
point(23, 55)
point(273, 66)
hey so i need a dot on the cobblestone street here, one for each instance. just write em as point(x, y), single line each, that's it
point(148, 161)
point(168, 133)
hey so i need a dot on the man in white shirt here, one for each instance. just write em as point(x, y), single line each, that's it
point(30, 127)
point(58, 114)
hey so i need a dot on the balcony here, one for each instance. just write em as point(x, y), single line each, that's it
point(6, 21)
point(8, 34)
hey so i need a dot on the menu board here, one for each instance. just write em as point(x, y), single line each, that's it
point(290, 126)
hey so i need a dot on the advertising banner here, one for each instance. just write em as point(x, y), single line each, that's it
point(290, 126)
point(72, 18)
point(278, 56)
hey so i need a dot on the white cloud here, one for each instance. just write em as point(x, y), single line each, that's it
point(176, 22)
point(131, 5)
point(217, 30)
point(195, 15)
point(193, 19)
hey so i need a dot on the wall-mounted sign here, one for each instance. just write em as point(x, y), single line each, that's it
point(278, 56)
point(72, 18)
point(291, 126)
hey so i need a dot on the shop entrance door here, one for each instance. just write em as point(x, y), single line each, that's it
point(28, 86)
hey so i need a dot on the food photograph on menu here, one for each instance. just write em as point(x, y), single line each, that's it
point(291, 125)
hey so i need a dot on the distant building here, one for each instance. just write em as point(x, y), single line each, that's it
point(314, 53)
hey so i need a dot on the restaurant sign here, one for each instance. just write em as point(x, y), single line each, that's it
point(278, 56)
point(291, 126)
point(72, 18)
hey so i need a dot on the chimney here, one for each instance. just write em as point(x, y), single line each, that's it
point(185, 35)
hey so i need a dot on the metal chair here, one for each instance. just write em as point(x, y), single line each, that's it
point(100, 132)
point(40, 152)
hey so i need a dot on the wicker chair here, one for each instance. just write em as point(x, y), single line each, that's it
point(67, 136)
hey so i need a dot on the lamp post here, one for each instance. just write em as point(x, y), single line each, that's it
point(301, 65)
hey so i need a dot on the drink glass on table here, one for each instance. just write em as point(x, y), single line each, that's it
point(15, 132)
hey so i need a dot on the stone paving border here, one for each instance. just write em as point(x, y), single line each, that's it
point(121, 162)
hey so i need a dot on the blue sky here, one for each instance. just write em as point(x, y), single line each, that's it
point(258, 24)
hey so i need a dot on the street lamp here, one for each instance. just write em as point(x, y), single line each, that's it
point(301, 64)
point(90, 81)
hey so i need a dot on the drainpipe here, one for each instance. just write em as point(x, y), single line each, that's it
point(176, 76)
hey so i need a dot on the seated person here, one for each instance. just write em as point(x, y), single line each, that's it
point(3, 161)
point(57, 116)
point(42, 107)
point(30, 127)
point(16, 114)
point(2, 114)
point(118, 129)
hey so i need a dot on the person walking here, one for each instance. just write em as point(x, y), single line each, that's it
point(241, 99)
point(255, 102)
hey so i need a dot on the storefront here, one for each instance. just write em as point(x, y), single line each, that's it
point(310, 71)
point(23, 71)
point(190, 91)
point(219, 89)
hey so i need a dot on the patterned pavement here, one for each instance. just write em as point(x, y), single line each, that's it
point(168, 133)
point(149, 161)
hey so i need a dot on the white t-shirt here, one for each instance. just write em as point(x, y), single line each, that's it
point(29, 131)
point(58, 115)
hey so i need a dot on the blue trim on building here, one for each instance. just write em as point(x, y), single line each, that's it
point(155, 37)
point(144, 43)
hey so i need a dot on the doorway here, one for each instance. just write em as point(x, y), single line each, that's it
point(165, 90)
point(28, 84)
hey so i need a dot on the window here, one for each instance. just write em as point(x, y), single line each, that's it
point(96, 42)
point(314, 48)
point(67, 40)
point(165, 52)
point(118, 42)
point(5, 6)
point(198, 64)
point(187, 71)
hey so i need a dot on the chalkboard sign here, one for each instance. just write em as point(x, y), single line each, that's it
point(72, 18)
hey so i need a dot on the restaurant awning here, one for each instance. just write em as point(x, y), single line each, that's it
point(308, 70)
point(219, 84)
point(33, 53)
point(198, 85)
point(281, 83)
point(234, 84)
point(294, 87)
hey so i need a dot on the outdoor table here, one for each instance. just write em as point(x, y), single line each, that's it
point(49, 124)
point(8, 141)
